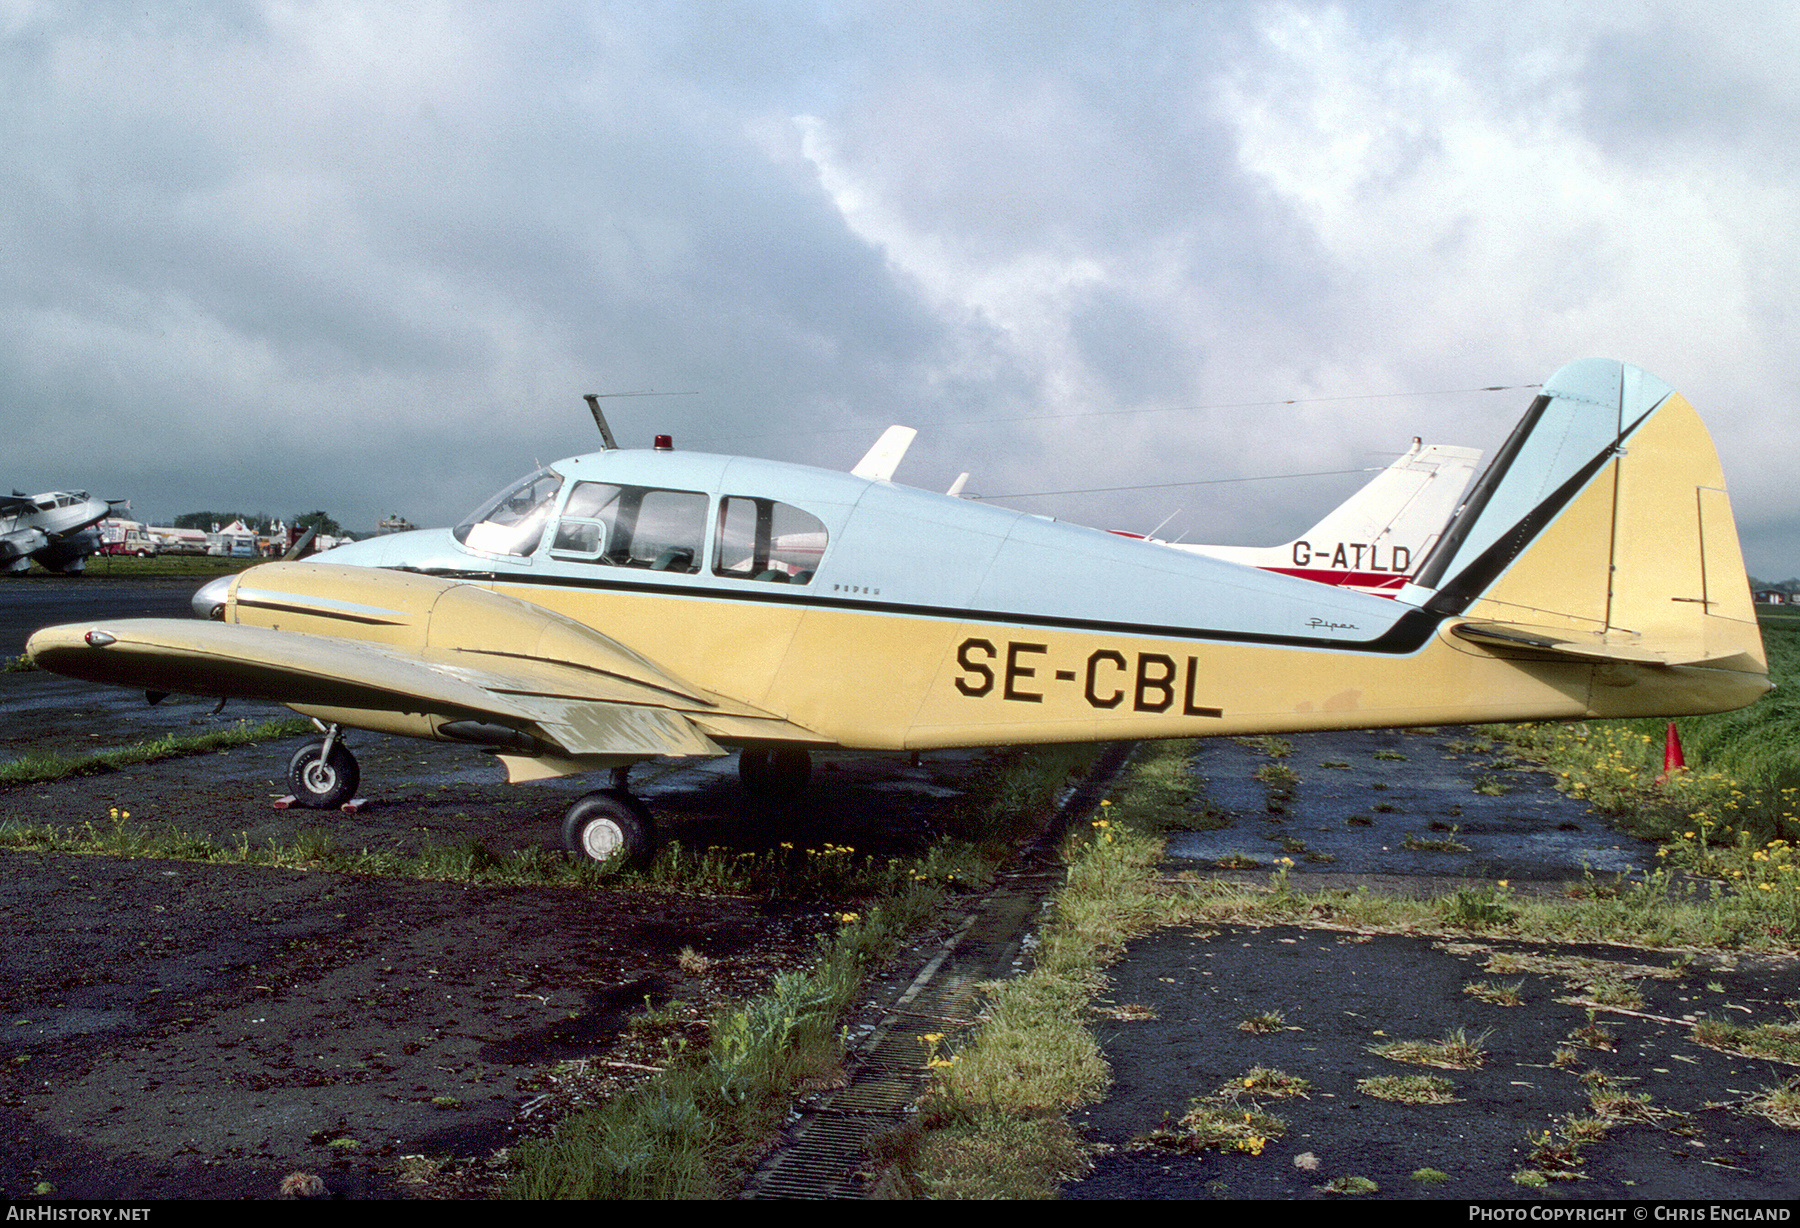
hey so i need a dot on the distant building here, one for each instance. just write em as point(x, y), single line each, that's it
point(395, 524)
point(1771, 596)
point(236, 541)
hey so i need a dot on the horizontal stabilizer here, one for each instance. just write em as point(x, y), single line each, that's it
point(1609, 646)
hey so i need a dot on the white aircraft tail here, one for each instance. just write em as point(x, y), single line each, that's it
point(1374, 540)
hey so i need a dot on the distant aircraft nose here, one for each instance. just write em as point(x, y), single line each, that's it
point(209, 602)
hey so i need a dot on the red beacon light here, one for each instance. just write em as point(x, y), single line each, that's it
point(665, 443)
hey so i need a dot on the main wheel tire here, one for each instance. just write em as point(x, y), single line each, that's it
point(323, 782)
point(774, 772)
point(756, 766)
point(608, 825)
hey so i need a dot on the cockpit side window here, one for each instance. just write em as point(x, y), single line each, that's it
point(513, 521)
point(760, 539)
point(632, 526)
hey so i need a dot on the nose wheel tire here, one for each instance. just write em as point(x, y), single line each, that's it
point(778, 772)
point(321, 781)
point(609, 825)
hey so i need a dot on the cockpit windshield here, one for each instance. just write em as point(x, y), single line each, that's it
point(513, 521)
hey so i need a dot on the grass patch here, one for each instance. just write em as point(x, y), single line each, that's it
point(1591, 1035)
point(1779, 1106)
point(1409, 1089)
point(1454, 1052)
point(1220, 1127)
point(1496, 994)
point(1435, 844)
point(1657, 912)
point(1349, 1185)
point(1485, 907)
point(1554, 1156)
point(40, 766)
point(1266, 1082)
point(103, 567)
point(1280, 782)
point(991, 1156)
point(1775, 1042)
point(686, 1133)
point(1612, 991)
point(1614, 1106)
point(1264, 1024)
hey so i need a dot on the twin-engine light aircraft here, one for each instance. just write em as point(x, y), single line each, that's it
point(629, 604)
point(56, 528)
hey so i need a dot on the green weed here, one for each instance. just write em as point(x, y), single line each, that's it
point(1214, 1126)
point(1409, 1089)
point(1496, 994)
point(1454, 1052)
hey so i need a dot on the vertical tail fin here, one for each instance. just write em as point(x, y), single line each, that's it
point(1601, 530)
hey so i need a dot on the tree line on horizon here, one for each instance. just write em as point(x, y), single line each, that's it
point(260, 521)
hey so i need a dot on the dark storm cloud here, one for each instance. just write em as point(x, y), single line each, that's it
point(369, 258)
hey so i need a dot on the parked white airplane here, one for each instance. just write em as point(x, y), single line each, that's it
point(57, 528)
point(622, 605)
point(1374, 540)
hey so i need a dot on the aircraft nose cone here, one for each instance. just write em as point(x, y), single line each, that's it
point(209, 602)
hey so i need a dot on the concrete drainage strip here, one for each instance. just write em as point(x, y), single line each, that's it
point(826, 1155)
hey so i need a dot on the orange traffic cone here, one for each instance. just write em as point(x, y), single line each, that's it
point(1672, 759)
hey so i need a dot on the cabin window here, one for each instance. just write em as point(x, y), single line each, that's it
point(760, 539)
point(632, 526)
point(513, 521)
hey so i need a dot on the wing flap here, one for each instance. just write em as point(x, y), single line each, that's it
point(584, 727)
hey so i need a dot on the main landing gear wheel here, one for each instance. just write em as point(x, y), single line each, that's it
point(778, 772)
point(323, 781)
point(608, 824)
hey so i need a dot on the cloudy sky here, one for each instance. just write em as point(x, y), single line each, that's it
point(367, 257)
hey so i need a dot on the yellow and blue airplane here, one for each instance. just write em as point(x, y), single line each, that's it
point(624, 605)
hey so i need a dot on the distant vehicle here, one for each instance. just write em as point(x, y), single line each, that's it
point(178, 541)
point(120, 536)
point(1377, 538)
point(57, 528)
point(624, 605)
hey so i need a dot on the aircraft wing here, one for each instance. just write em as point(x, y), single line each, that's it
point(588, 714)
